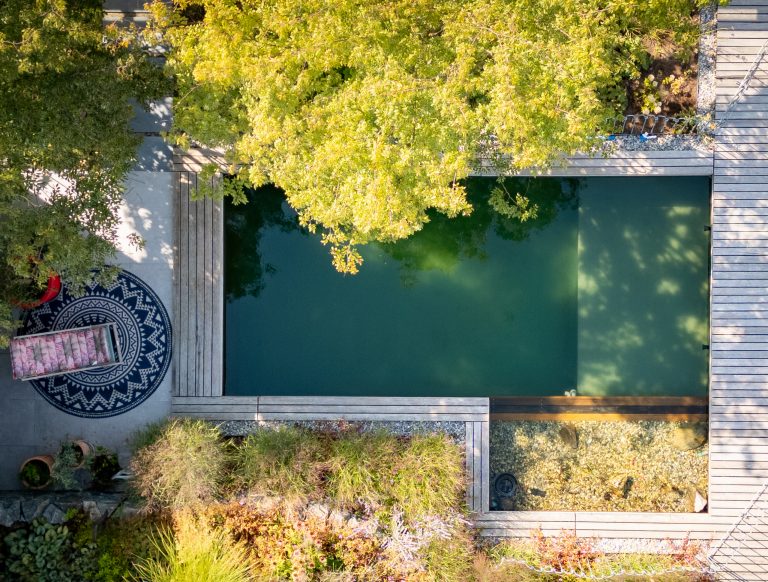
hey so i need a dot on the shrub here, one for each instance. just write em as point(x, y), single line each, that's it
point(286, 543)
point(47, 553)
point(103, 464)
point(430, 476)
point(286, 460)
point(64, 464)
point(148, 435)
point(193, 551)
point(361, 468)
point(184, 466)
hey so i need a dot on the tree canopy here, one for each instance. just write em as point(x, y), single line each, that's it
point(369, 113)
point(65, 143)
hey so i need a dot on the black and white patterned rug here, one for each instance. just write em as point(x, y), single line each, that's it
point(144, 333)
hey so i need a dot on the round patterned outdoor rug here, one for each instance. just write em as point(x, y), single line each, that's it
point(144, 333)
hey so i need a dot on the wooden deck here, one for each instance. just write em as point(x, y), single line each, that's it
point(738, 404)
point(199, 292)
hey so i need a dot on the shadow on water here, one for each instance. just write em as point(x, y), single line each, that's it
point(643, 287)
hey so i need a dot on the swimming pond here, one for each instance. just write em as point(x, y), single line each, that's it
point(605, 292)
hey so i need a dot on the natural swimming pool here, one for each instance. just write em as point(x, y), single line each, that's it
point(605, 292)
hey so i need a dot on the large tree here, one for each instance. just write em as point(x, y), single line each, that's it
point(65, 143)
point(369, 113)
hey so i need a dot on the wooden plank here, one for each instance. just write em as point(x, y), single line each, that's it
point(485, 447)
point(469, 459)
point(181, 304)
point(217, 300)
point(207, 299)
point(477, 467)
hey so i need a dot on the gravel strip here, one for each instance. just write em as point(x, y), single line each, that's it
point(455, 430)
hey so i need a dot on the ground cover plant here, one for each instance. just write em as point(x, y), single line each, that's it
point(369, 114)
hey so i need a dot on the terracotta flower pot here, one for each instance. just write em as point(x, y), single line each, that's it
point(84, 450)
point(42, 467)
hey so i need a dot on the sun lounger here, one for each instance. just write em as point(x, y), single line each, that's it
point(64, 351)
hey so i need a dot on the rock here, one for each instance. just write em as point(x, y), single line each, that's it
point(695, 502)
point(569, 435)
point(689, 436)
point(10, 512)
point(32, 507)
point(92, 510)
point(336, 518)
point(54, 514)
point(316, 511)
point(537, 492)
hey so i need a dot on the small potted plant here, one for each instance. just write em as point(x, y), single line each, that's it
point(72, 456)
point(36, 472)
point(103, 465)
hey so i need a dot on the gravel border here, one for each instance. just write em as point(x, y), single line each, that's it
point(454, 429)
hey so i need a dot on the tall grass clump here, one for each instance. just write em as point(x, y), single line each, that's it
point(185, 465)
point(429, 477)
point(286, 460)
point(361, 468)
point(192, 552)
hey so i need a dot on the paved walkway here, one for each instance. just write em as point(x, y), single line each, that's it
point(28, 424)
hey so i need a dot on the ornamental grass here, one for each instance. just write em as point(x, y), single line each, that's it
point(184, 465)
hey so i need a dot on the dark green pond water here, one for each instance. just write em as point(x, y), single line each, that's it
point(605, 292)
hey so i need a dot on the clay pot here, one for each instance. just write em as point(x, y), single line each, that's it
point(84, 450)
point(40, 465)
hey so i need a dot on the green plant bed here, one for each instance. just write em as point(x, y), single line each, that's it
point(655, 466)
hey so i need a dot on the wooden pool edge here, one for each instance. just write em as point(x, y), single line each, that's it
point(604, 408)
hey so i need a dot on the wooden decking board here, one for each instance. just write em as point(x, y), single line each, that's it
point(199, 291)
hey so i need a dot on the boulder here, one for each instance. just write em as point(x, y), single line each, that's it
point(569, 436)
point(690, 436)
point(695, 502)
point(10, 511)
point(54, 514)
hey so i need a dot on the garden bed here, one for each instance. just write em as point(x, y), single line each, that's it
point(654, 466)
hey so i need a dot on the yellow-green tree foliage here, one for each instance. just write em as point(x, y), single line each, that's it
point(368, 113)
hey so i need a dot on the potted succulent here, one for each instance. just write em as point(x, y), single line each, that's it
point(103, 465)
point(36, 472)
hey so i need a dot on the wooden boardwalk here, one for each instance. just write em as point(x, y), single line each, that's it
point(738, 404)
